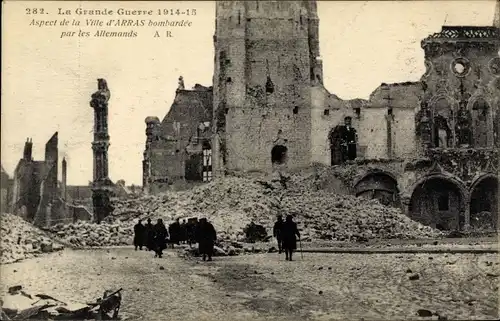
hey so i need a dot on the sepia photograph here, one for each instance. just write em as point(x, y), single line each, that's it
point(250, 160)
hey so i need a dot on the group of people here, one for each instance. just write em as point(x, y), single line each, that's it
point(286, 234)
point(157, 237)
point(151, 237)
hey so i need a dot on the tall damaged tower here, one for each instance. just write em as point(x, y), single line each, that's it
point(102, 185)
point(266, 60)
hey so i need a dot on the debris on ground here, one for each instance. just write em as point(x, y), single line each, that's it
point(19, 305)
point(232, 203)
point(21, 240)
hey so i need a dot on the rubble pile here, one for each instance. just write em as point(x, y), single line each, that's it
point(86, 234)
point(335, 217)
point(234, 202)
point(20, 240)
point(20, 305)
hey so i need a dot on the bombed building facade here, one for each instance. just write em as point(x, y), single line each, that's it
point(35, 191)
point(429, 147)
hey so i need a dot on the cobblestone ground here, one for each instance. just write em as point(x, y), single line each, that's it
point(265, 286)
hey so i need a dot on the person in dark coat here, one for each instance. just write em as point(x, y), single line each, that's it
point(289, 232)
point(149, 235)
point(277, 232)
point(349, 139)
point(175, 233)
point(206, 237)
point(160, 237)
point(191, 230)
point(139, 235)
point(183, 232)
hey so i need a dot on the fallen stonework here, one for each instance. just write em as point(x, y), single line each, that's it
point(20, 305)
point(232, 203)
point(20, 240)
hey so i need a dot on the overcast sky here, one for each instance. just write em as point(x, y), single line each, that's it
point(47, 81)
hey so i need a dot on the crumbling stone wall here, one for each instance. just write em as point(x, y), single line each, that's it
point(166, 153)
point(462, 85)
point(263, 73)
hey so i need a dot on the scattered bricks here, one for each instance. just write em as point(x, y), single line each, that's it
point(233, 203)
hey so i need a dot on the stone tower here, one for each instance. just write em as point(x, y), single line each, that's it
point(266, 60)
point(102, 185)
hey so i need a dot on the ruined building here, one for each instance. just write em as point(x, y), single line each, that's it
point(102, 186)
point(35, 192)
point(6, 191)
point(178, 149)
point(430, 147)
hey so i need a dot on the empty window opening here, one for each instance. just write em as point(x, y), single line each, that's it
point(389, 112)
point(443, 203)
point(228, 79)
point(296, 110)
point(177, 150)
point(279, 154)
point(326, 112)
point(357, 111)
point(239, 17)
point(207, 162)
point(226, 110)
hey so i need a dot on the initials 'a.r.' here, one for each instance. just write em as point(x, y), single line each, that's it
point(167, 33)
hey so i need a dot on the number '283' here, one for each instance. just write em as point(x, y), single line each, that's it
point(35, 11)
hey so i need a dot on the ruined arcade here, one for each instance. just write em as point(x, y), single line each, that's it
point(271, 113)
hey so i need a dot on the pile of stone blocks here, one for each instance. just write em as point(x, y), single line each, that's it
point(232, 203)
point(20, 240)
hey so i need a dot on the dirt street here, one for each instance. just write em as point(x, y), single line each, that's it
point(253, 287)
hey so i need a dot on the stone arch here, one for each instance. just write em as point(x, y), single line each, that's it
point(439, 201)
point(483, 201)
point(279, 155)
point(380, 185)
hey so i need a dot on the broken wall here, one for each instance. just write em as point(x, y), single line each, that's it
point(261, 84)
point(166, 154)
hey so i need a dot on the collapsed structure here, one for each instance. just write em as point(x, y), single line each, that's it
point(430, 147)
point(36, 194)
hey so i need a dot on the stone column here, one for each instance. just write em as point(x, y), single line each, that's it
point(466, 212)
point(101, 186)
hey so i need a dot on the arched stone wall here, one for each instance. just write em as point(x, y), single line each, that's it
point(439, 201)
point(379, 185)
point(483, 202)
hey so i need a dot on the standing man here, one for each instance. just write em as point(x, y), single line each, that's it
point(138, 235)
point(206, 237)
point(175, 232)
point(289, 234)
point(149, 235)
point(183, 232)
point(160, 237)
point(278, 226)
point(349, 140)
